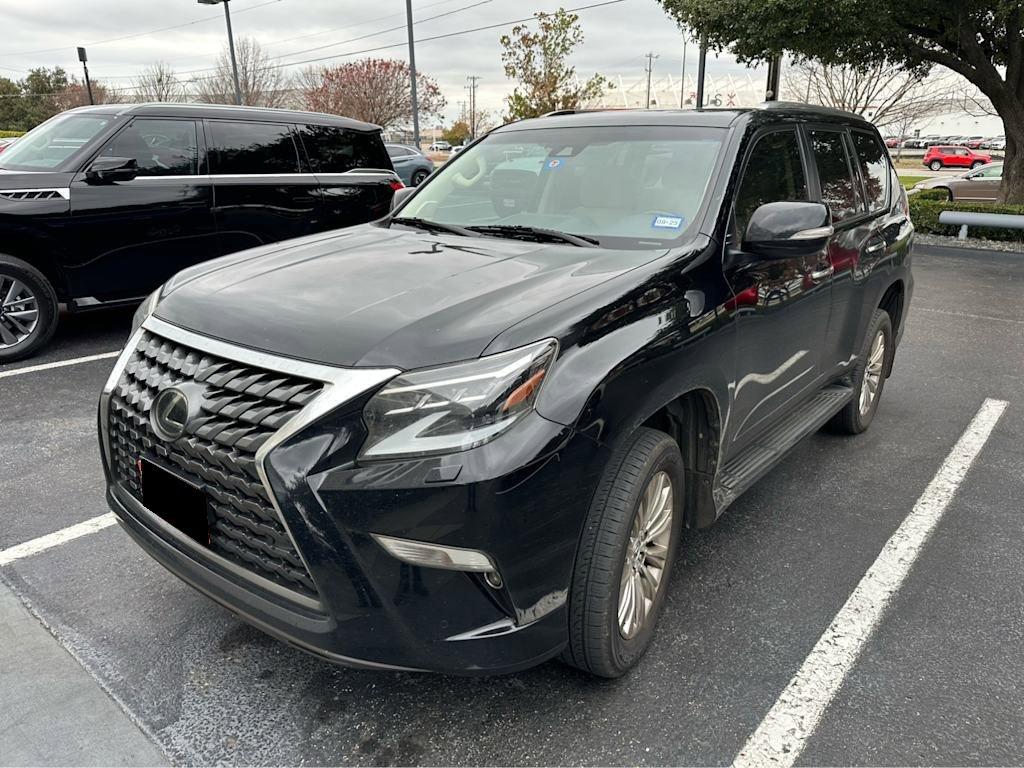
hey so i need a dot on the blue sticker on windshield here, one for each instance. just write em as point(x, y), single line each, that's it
point(554, 164)
point(667, 221)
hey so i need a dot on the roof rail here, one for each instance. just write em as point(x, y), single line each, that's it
point(557, 112)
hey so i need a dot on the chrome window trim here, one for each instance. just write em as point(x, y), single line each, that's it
point(340, 386)
point(64, 192)
point(245, 176)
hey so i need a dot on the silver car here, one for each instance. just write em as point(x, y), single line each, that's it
point(981, 184)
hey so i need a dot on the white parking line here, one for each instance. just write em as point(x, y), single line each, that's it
point(58, 364)
point(782, 735)
point(55, 539)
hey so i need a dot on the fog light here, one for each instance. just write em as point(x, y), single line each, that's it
point(436, 555)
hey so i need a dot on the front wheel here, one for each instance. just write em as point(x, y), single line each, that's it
point(625, 556)
point(28, 309)
point(419, 177)
point(935, 165)
point(868, 378)
point(977, 164)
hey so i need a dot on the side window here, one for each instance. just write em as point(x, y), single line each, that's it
point(774, 173)
point(838, 190)
point(398, 152)
point(160, 147)
point(336, 150)
point(250, 148)
point(874, 168)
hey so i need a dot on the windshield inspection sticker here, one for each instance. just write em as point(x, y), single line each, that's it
point(666, 221)
point(554, 164)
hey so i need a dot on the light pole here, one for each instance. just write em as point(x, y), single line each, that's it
point(412, 76)
point(650, 68)
point(88, 84)
point(231, 46)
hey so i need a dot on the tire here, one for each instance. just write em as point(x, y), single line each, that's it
point(419, 177)
point(24, 289)
point(858, 414)
point(935, 165)
point(948, 191)
point(977, 164)
point(598, 642)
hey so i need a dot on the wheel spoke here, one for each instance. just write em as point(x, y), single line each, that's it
point(14, 290)
point(6, 336)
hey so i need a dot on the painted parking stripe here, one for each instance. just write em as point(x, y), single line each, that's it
point(55, 539)
point(782, 735)
point(58, 364)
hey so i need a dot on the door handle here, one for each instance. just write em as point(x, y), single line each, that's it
point(875, 247)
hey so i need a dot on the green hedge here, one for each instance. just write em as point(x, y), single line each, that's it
point(926, 206)
point(11, 134)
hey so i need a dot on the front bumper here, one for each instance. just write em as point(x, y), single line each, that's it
point(521, 499)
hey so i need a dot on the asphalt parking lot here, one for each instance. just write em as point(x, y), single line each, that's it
point(940, 681)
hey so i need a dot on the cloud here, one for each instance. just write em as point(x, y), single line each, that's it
point(616, 38)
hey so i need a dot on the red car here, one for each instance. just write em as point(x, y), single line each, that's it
point(943, 156)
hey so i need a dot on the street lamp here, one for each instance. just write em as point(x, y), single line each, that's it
point(231, 46)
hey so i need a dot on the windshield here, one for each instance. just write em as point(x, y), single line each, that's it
point(47, 146)
point(625, 186)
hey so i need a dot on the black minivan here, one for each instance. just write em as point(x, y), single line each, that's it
point(99, 205)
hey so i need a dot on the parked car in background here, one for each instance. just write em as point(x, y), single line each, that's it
point(5, 143)
point(99, 205)
point(981, 184)
point(973, 142)
point(459, 147)
point(997, 143)
point(948, 156)
point(440, 146)
point(476, 434)
point(411, 166)
point(892, 141)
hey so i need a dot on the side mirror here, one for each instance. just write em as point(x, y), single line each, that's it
point(400, 195)
point(780, 230)
point(107, 170)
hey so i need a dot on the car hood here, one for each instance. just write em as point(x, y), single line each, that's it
point(33, 179)
point(372, 296)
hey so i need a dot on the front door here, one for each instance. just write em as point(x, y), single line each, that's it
point(782, 304)
point(130, 236)
point(982, 184)
point(262, 191)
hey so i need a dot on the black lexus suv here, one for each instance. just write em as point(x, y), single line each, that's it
point(471, 436)
point(100, 205)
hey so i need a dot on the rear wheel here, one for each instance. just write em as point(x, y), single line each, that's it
point(935, 165)
point(419, 177)
point(868, 378)
point(28, 309)
point(625, 557)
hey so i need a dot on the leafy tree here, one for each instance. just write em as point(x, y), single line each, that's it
point(538, 62)
point(262, 82)
point(979, 39)
point(12, 108)
point(457, 133)
point(375, 90)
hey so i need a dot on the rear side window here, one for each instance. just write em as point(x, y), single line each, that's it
point(774, 173)
point(160, 147)
point(874, 167)
point(336, 150)
point(251, 148)
point(838, 190)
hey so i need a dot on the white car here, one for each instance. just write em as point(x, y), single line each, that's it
point(440, 146)
point(459, 148)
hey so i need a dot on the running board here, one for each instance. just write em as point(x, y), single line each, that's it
point(768, 450)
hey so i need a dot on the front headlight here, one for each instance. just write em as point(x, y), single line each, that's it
point(455, 407)
point(145, 310)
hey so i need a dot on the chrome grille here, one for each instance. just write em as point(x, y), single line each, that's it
point(242, 407)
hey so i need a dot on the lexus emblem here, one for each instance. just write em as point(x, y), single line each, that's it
point(169, 414)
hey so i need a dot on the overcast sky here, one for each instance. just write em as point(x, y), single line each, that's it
point(46, 32)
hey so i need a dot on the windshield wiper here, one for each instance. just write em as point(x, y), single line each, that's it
point(536, 233)
point(432, 226)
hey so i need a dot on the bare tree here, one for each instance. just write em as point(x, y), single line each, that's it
point(262, 81)
point(158, 82)
point(874, 90)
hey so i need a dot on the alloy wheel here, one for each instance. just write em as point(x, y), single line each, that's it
point(872, 373)
point(19, 311)
point(646, 555)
